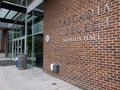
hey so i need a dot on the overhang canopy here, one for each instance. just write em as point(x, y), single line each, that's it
point(10, 13)
point(14, 7)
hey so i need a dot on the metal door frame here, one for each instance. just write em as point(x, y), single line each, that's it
point(17, 47)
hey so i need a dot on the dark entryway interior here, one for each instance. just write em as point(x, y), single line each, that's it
point(39, 60)
point(35, 50)
point(39, 50)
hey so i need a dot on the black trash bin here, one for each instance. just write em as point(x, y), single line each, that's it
point(22, 61)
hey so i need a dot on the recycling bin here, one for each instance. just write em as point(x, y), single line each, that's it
point(22, 61)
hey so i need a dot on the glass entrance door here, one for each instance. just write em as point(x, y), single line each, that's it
point(19, 46)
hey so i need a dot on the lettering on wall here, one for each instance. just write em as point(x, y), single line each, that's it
point(82, 38)
point(92, 25)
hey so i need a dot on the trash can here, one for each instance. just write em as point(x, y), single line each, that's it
point(22, 61)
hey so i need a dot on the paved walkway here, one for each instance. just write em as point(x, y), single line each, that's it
point(30, 79)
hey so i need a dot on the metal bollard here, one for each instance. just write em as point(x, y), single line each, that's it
point(16, 61)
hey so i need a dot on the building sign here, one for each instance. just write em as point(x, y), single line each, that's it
point(82, 38)
point(85, 27)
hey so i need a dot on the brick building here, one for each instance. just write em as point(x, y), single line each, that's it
point(81, 42)
point(84, 40)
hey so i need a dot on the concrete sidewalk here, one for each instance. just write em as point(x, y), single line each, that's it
point(30, 79)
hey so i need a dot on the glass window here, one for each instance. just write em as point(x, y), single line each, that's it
point(23, 48)
point(38, 27)
point(17, 16)
point(9, 54)
point(22, 31)
point(9, 35)
point(31, 18)
point(23, 17)
point(29, 30)
point(3, 12)
point(29, 45)
point(38, 42)
point(11, 14)
point(18, 31)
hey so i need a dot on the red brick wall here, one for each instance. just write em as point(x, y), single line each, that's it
point(84, 41)
point(3, 42)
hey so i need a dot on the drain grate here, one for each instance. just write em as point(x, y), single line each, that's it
point(7, 63)
point(54, 83)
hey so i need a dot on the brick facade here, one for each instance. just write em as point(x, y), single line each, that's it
point(3, 41)
point(84, 41)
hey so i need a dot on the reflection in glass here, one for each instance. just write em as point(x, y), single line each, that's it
point(23, 45)
point(16, 48)
point(38, 42)
point(38, 27)
point(11, 14)
point(29, 43)
point(9, 49)
point(29, 50)
point(38, 49)
point(3, 12)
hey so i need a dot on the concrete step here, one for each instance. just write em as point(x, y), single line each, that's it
point(2, 55)
point(3, 59)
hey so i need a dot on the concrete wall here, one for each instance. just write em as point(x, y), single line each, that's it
point(83, 37)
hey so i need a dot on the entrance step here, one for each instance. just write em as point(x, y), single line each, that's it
point(7, 63)
point(2, 55)
point(4, 59)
